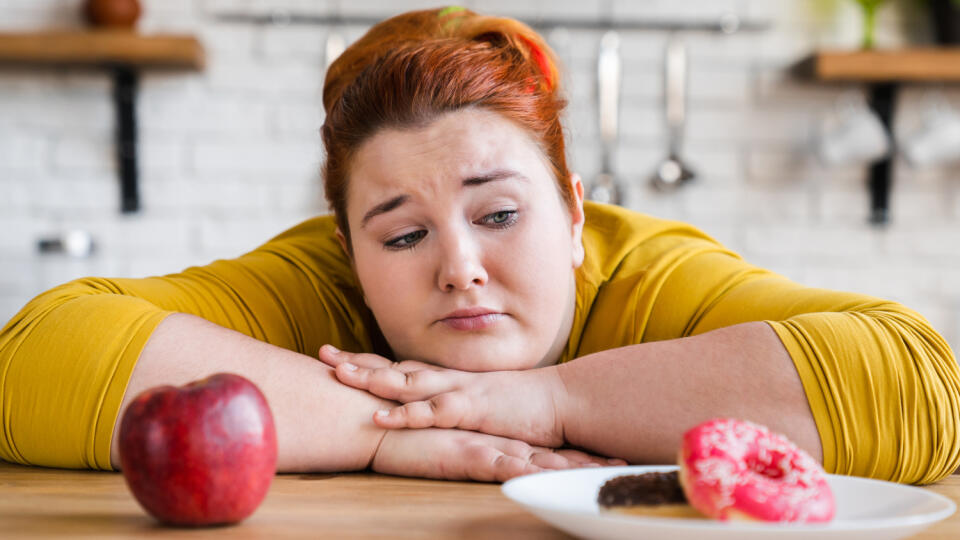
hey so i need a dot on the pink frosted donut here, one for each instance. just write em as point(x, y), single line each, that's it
point(733, 469)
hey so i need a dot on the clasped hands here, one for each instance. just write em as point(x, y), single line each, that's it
point(486, 426)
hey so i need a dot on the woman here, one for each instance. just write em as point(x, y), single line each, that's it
point(461, 248)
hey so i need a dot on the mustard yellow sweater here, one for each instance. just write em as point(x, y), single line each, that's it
point(884, 387)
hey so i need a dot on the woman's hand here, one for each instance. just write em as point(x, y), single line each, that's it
point(451, 454)
point(516, 404)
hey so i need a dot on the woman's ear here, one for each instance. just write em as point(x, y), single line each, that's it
point(577, 218)
point(343, 244)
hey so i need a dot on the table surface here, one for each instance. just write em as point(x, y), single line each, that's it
point(39, 502)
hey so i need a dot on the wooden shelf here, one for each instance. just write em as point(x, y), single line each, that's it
point(901, 65)
point(883, 72)
point(123, 54)
point(101, 47)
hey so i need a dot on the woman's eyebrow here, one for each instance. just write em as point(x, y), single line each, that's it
point(382, 208)
point(498, 174)
point(478, 180)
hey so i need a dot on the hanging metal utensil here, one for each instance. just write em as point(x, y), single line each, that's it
point(605, 187)
point(673, 172)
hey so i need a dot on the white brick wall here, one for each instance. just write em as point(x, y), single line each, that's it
point(230, 157)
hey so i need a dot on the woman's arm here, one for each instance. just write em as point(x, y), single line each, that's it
point(881, 385)
point(632, 402)
point(637, 401)
point(67, 357)
point(321, 424)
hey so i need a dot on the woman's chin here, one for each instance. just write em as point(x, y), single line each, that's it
point(479, 355)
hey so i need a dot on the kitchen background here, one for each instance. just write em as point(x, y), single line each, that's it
point(229, 156)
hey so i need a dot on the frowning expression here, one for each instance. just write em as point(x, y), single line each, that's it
point(462, 243)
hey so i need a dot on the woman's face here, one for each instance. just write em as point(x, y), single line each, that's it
point(462, 244)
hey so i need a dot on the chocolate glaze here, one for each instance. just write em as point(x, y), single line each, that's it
point(642, 489)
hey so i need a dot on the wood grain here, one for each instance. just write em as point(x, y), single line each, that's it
point(101, 47)
point(39, 502)
point(906, 65)
point(42, 503)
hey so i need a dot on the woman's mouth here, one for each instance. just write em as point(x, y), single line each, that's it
point(472, 319)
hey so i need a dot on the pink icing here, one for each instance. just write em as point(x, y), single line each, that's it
point(734, 468)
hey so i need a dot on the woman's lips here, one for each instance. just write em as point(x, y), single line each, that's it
point(475, 322)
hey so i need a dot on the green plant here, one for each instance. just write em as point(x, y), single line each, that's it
point(869, 8)
point(825, 9)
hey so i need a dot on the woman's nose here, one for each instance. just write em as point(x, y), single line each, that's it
point(460, 265)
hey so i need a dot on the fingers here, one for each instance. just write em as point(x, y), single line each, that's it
point(510, 458)
point(333, 357)
point(488, 458)
point(391, 383)
point(587, 460)
point(492, 464)
point(450, 410)
point(551, 460)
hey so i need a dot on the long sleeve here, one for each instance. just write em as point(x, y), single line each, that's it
point(66, 357)
point(883, 386)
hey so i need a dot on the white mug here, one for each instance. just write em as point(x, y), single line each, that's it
point(853, 135)
point(938, 139)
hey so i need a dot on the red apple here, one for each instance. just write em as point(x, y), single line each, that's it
point(201, 454)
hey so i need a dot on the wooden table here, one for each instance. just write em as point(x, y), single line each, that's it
point(37, 502)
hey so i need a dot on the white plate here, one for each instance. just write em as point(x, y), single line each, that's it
point(866, 509)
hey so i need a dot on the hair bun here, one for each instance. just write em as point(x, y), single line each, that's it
point(449, 22)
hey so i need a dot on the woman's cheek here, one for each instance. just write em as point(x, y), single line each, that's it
point(384, 283)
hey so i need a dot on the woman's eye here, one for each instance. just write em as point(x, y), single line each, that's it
point(406, 241)
point(503, 218)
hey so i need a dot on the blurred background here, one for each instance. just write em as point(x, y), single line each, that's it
point(228, 153)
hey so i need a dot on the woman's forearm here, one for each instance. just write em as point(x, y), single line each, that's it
point(321, 424)
point(635, 402)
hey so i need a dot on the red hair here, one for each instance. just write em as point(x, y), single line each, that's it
point(411, 68)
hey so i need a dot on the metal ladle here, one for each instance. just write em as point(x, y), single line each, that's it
point(673, 172)
point(605, 187)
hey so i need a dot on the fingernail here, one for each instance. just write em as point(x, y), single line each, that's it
point(348, 366)
point(382, 412)
point(331, 349)
point(591, 464)
point(615, 461)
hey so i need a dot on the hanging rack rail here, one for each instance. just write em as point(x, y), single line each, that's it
point(726, 23)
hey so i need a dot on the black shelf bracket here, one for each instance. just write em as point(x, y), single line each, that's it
point(125, 80)
point(882, 98)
